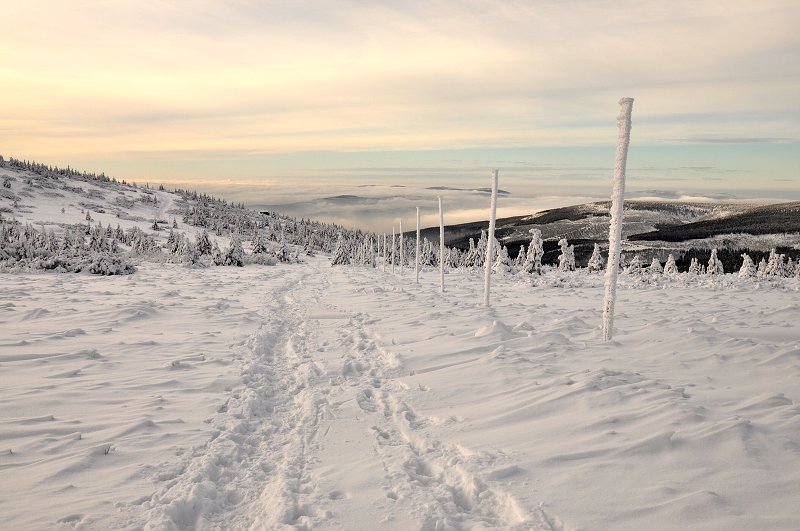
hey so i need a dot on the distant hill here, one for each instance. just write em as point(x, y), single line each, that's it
point(650, 228)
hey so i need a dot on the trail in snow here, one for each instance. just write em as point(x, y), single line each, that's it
point(307, 396)
point(312, 376)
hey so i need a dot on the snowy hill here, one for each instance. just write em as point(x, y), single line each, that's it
point(300, 395)
point(651, 229)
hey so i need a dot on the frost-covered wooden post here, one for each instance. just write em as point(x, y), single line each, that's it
point(402, 258)
point(441, 247)
point(416, 252)
point(393, 247)
point(487, 265)
point(615, 229)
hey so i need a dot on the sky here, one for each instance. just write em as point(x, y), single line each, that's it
point(261, 100)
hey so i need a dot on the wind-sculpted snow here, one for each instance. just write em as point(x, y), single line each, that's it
point(309, 397)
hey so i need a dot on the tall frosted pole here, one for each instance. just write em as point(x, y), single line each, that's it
point(402, 258)
point(393, 248)
point(384, 252)
point(487, 264)
point(615, 229)
point(416, 259)
point(441, 246)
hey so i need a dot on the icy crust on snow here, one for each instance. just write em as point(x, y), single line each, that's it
point(305, 396)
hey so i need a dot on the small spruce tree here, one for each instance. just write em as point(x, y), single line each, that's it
point(655, 266)
point(714, 264)
point(748, 269)
point(595, 261)
point(670, 268)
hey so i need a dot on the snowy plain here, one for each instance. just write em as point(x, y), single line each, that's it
point(352, 398)
point(305, 396)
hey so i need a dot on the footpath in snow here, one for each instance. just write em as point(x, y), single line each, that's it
point(307, 396)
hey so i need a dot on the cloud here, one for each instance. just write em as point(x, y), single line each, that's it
point(733, 140)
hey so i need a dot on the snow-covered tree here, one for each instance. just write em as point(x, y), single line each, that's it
point(519, 261)
point(502, 263)
point(761, 272)
point(694, 267)
point(259, 243)
point(203, 243)
point(340, 256)
point(234, 256)
point(480, 248)
point(472, 256)
point(775, 265)
point(595, 261)
point(533, 258)
point(188, 252)
point(714, 264)
point(634, 266)
point(748, 269)
point(670, 268)
point(566, 260)
point(655, 266)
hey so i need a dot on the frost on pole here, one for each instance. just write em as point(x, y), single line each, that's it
point(441, 246)
point(416, 252)
point(402, 258)
point(487, 264)
point(393, 248)
point(615, 229)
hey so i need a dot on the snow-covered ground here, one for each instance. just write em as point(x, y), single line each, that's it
point(351, 398)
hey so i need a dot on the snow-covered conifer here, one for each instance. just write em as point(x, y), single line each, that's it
point(634, 266)
point(715, 266)
point(694, 267)
point(761, 272)
point(655, 266)
point(595, 261)
point(340, 255)
point(533, 259)
point(188, 252)
point(234, 256)
point(775, 266)
point(748, 269)
point(502, 263)
point(670, 268)
point(472, 254)
point(480, 249)
point(217, 257)
point(566, 260)
point(259, 244)
point(519, 261)
point(203, 243)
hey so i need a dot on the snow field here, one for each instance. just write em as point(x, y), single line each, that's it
point(307, 396)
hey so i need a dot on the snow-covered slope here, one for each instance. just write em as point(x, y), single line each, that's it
point(306, 395)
